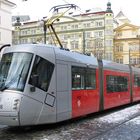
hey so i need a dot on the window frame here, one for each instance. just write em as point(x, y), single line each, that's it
point(34, 70)
point(117, 84)
point(84, 72)
point(136, 80)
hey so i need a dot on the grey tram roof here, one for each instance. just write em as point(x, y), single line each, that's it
point(69, 56)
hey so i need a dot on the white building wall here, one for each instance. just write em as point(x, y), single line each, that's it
point(5, 22)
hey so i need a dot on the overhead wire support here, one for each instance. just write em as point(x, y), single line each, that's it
point(64, 6)
point(51, 20)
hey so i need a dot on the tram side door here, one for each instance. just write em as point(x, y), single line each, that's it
point(63, 91)
point(41, 91)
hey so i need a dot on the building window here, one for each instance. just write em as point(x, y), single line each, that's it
point(87, 25)
point(74, 45)
point(99, 23)
point(98, 54)
point(63, 37)
point(33, 31)
point(109, 32)
point(98, 34)
point(109, 43)
point(134, 60)
point(134, 33)
point(74, 36)
point(119, 34)
point(74, 26)
point(88, 44)
point(116, 83)
point(87, 34)
point(32, 40)
point(119, 48)
point(83, 78)
point(65, 45)
point(98, 43)
point(63, 28)
point(108, 56)
point(119, 60)
point(134, 47)
point(24, 41)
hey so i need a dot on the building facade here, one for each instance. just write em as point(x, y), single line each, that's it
point(5, 22)
point(127, 44)
point(91, 32)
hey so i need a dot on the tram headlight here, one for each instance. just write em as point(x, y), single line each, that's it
point(16, 104)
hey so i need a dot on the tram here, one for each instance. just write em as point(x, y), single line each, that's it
point(41, 84)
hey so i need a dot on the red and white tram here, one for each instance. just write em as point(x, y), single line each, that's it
point(42, 84)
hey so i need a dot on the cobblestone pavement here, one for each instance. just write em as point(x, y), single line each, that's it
point(121, 124)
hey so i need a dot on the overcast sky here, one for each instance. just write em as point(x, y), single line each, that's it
point(37, 9)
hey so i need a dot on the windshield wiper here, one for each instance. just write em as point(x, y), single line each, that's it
point(20, 75)
point(4, 87)
point(7, 85)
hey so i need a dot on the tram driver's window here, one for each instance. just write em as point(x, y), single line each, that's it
point(43, 69)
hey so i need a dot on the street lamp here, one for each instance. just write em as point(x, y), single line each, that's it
point(84, 45)
point(129, 55)
point(45, 30)
point(44, 25)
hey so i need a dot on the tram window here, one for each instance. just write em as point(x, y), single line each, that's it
point(137, 81)
point(90, 79)
point(14, 68)
point(116, 84)
point(43, 69)
point(78, 78)
point(83, 78)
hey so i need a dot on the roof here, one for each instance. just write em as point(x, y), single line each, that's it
point(63, 55)
point(126, 24)
point(120, 14)
point(92, 13)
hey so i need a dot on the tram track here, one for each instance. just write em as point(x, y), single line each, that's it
point(93, 137)
point(95, 127)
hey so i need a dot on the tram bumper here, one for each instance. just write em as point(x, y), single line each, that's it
point(9, 118)
point(9, 108)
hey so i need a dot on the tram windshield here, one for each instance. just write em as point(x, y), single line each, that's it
point(13, 70)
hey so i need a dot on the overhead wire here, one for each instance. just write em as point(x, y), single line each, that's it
point(79, 9)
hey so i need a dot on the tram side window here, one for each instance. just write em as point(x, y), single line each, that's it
point(91, 79)
point(78, 78)
point(43, 69)
point(83, 78)
point(116, 84)
point(137, 81)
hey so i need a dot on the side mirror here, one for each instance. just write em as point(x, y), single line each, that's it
point(34, 81)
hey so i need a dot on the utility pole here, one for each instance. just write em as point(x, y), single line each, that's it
point(129, 57)
point(84, 42)
point(44, 29)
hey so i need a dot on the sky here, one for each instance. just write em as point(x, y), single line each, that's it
point(37, 9)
